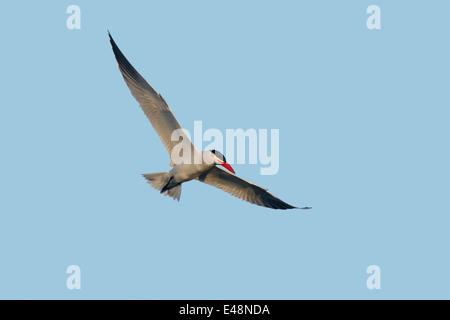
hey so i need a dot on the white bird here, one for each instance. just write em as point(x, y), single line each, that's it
point(164, 122)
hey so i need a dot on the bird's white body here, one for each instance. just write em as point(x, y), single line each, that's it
point(185, 172)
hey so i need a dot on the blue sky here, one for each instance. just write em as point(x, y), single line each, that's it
point(363, 119)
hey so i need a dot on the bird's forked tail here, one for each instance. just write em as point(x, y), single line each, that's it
point(161, 181)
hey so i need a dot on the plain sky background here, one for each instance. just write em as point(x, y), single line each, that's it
point(364, 139)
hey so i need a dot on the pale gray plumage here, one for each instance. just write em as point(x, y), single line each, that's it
point(164, 122)
point(243, 189)
point(152, 103)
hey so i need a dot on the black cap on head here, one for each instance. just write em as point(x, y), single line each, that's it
point(219, 155)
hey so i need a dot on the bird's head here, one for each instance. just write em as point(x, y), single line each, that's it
point(219, 158)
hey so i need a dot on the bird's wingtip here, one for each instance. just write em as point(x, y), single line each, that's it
point(304, 208)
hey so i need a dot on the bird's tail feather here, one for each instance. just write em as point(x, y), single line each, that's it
point(157, 180)
point(161, 181)
point(174, 192)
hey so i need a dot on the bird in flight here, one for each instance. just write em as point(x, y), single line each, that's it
point(205, 170)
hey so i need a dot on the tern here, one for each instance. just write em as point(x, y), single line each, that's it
point(163, 121)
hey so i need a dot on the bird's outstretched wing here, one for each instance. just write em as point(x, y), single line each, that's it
point(151, 102)
point(243, 189)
